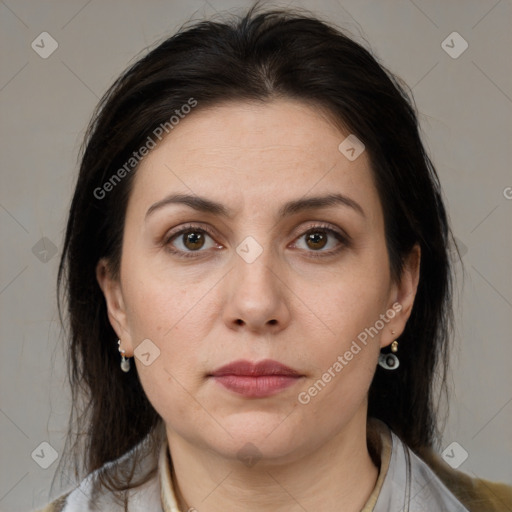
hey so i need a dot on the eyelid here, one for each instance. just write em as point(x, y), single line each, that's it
point(188, 227)
point(332, 228)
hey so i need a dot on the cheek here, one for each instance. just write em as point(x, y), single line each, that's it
point(334, 395)
point(344, 351)
point(349, 302)
point(176, 318)
point(158, 305)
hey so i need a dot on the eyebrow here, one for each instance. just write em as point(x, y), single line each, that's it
point(205, 205)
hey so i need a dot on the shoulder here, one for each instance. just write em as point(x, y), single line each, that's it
point(426, 482)
point(409, 480)
point(475, 493)
point(92, 494)
point(87, 498)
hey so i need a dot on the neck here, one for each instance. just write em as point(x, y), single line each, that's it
point(338, 473)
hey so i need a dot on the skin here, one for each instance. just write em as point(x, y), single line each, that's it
point(213, 308)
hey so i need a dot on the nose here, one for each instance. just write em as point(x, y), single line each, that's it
point(257, 297)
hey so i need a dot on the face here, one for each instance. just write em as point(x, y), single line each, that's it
point(251, 279)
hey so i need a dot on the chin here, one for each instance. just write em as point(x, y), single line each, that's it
point(261, 435)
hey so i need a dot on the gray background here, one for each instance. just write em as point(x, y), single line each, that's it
point(465, 105)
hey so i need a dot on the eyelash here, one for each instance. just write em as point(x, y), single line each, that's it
point(197, 229)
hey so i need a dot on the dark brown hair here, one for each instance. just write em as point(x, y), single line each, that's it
point(259, 56)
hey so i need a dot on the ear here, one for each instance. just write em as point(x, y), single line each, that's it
point(113, 293)
point(402, 296)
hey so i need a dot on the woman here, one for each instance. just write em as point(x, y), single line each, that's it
point(258, 283)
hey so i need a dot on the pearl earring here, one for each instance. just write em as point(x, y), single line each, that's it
point(125, 363)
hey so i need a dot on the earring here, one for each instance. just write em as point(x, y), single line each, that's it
point(390, 361)
point(125, 363)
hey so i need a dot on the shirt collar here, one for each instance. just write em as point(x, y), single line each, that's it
point(167, 491)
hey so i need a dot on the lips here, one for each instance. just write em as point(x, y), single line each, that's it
point(246, 368)
point(256, 380)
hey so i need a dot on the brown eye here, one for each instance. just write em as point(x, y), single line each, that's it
point(321, 241)
point(193, 240)
point(316, 240)
point(190, 242)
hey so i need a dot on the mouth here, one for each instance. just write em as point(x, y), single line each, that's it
point(256, 380)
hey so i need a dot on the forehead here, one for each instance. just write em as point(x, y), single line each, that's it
point(255, 155)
